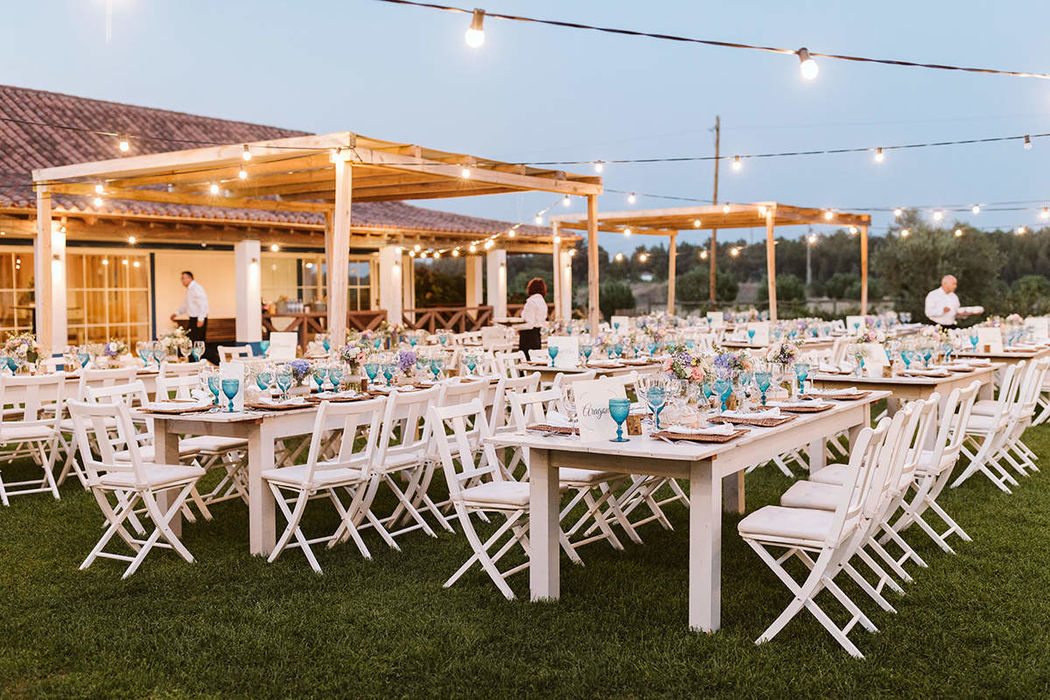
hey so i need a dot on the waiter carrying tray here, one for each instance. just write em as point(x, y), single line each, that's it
point(942, 304)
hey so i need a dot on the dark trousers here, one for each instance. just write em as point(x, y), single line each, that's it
point(529, 339)
point(200, 333)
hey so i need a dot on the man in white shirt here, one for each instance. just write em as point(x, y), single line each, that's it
point(942, 305)
point(196, 307)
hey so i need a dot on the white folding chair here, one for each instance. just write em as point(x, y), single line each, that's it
point(181, 369)
point(129, 483)
point(94, 378)
point(30, 427)
point(985, 434)
point(350, 470)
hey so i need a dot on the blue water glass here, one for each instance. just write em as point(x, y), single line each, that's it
point(388, 372)
point(927, 353)
point(84, 358)
point(723, 387)
point(319, 375)
point(327, 344)
point(907, 356)
point(372, 370)
point(214, 387)
point(552, 350)
point(284, 381)
point(751, 335)
point(973, 341)
point(618, 411)
point(801, 372)
point(435, 367)
point(587, 350)
point(230, 387)
point(412, 341)
point(690, 344)
point(264, 345)
point(763, 380)
point(12, 364)
point(159, 353)
point(335, 376)
point(652, 348)
point(471, 361)
point(263, 379)
point(144, 355)
point(656, 397)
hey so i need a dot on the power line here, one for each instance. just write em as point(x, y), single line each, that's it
point(721, 44)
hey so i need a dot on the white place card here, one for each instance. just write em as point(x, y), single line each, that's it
point(874, 359)
point(989, 340)
point(568, 350)
point(592, 407)
point(761, 329)
point(854, 323)
point(282, 346)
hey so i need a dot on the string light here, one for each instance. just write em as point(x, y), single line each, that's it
point(437, 254)
point(1021, 230)
point(473, 248)
point(976, 209)
point(1045, 214)
point(829, 215)
point(131, 240)
point(631, 198)
point(734, 251)
point(725, 208)
point(566, 201)
point(619, 257)
point(853, 230)
point(475, 35)
point(736, 163)
point(626, 232)
point(242, 173)
point(246, 153)
point(539, 219)
point(97, 201)
point(105, 261)
point(642, 257)
point(274, 247)
point(1027, 142)
point(879, 155)
point(938, 215)
point(135, 264)
point(465, 173)
point(214, 188)
point(703, 255)
point(898, 212)
point(808, 66)
point(958, 233)
point(599, 167)
point(99, 189)
point(812, 238)
point(455, 252)
point(696, 223)
point(488, 244)
point(905, 232)
point(123, 144)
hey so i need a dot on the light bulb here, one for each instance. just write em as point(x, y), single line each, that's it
point(124, 145)
point(703, 255)
point(97, 201)
point(829, 215)
point(619, 257)
point(572, 253)
point(879, 156)
point(99, 189)
point(599, 167)
point(512, 233)
point(105, 261)
point(465, 173)
point(473, 248)
point(643, 257)
point(437, 254)
point(214, 189)
point(489, 244)
point(274, 247)
point(812, 238)
point(246, 154)
point(898, 212)
point(242, 173)
point(455, 252)
point(1045, 214)
point(1027, 142)
point(566, 201)
point(853, 230)
point(734, 252)
point(938, 215)
point(976, 209)
point(124, 261)
point(696, 223)
point(904, 233)
point(736, 163)
point(539, 219)
point(557, 239)
point(631, 198)
point(958, 233)
point(626, 232)
point(475, 36)
point(135, 264)
point(808, 66)
point(725, 208)
point(1021, 230)
point(131, 240)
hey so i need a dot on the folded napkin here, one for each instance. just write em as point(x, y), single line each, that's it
point(834, 368)
point(556, 419)
point(768, 413)
point(834, 392)
point(720, 429)
point(801, 404)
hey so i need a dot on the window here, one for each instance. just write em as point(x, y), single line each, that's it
point(16, 292)
point(108, 296)
point(304, 278)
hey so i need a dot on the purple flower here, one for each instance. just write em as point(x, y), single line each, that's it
point(406, 360)
point(300, 369)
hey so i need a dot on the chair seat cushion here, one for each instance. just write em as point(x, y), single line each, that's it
point(297, 476)
point(212, 443)
point(14, 432)
point(155, 475)
point(498, 493)
point(834, 474)
point(795, 524)
point(812, 494)
point(588, 477)
point(985, 407)
point(980, 424)
point(148, 455)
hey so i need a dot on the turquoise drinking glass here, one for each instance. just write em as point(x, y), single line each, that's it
point(264, 345)
point(319, 375)
point(372, 370)
point(335, 376)
point(656, 397)
point(230, 387)
point(284, 381)
point(214, 387)
point(263, 380)
point(723, 388)
point(618, 410)
point(552, 350)
point(763, 380)
point(801, 372)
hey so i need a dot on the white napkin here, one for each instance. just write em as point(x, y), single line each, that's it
point(768, 413)
point(806, 404)
point(557, 419)
point(721, 429)
point(833, 392)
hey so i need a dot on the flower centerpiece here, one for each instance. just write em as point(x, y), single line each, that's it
point(867, 334)
point(23, 347)
point(300, 371)
point(783, 352)
point(683, 365)
point(175, 340)
point(733, 362)
point(406, 361)
point(114, 348)
point(354, 354)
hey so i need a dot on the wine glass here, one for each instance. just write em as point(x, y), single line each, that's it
point(159, 353)
point(471, 361)
point(320, 374)
point(264, 346)
point(973, 339)
point(83, 356)
point(723, 388)
point(230, 387)
point(656, 397)
point(618, 411)
point(335, 376)
point(763, 379)
point(587, 349)
point(552, 350)
point(144, 350)
point(927, 353)
point(389, 367)
point(801, 372)
point(284, 380)
point(263, 379)
point(214, 386)
point(372, 370)
point(751, 336)
point(197, 351)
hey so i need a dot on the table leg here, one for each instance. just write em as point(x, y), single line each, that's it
point(818, 455)
point(986, 391)
point(733, 493)
point(705, 548)
point(262, 533)
point(544, 528)
point(166, 451)
point(865, 422)
point(892, 404)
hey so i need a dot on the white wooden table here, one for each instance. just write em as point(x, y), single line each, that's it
point(902, 388)
point(706, 466)
point(547, 373)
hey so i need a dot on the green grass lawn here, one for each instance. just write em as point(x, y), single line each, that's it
point(975, 624)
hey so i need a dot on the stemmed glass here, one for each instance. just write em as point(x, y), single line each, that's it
point(552, 350)
point(319, 373)
point(284, 381)
point(656, 397)
point(723, 388)
point(471, 361)
point(230, 387)
point(263, 379)
point(372, 370)
point(907, 355)
point(84, 357)
point(437, 363)
point(973, 339)
point(744, 381)
point(389, 367)
point(618, 411)
point(335, 376)
point(145, 351)
point(801, 372)
point(264, 345)
point(159, 353)
point(751, 336)
point(197, 351)
point(587, 349)
point(763, 379)
point(214, 386)
point(927, 353)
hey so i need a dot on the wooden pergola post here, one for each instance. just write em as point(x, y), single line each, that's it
point(43, 290)
point(771, 262)
point(338, 252)
point(556, 262)
point(592, 263)
point(863, 270)
point(672, 256)
point(329, 217)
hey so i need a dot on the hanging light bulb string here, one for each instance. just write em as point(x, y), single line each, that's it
point(803, 53)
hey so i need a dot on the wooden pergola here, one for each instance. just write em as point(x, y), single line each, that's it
point(321, 174)
point(669, 222)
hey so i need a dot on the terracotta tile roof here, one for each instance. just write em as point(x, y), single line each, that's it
point(26, 142)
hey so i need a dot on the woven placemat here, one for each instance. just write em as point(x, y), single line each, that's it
point(339, 398)
point(757, 422)
point(837, 397)
point(698, 437)
point(176, 410)
point(275, 406)
point(557, 429)
point(796, 408)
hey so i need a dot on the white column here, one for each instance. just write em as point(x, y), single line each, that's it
point(59, 311)
point(556, 269)
point(246, 256)
point(408, 286)
point(565, 270)
point(390, 285)
point(338, 253)
point(42, 293)
point(474, 293)
point(496, 262)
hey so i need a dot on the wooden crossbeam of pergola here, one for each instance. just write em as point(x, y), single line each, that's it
point(668, 222)
point(318, 173)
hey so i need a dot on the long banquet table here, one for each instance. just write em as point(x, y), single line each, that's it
point(706, 466)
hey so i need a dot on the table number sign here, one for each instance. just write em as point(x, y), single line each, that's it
point(1039, 327)
point(592, 407)
point(989, 340)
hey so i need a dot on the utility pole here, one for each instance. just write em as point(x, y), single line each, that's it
point(714, 200)
point(810, 240)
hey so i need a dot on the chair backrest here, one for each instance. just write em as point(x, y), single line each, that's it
point(852, 495)
point(459, 460)
point(532, 408)
point(31, 400)
point(838, 350)
point(507, 363)
point(500, 404)
point(358, 424)
point(228, 353)
point(628, 381)
point(456, 392)
point(107, 427)
point(405, 432)
point(563, 380)
point(130, 394)
point(179, 369)
point(925, 426)
point(1031, 385)
point(182, 385)
point(104, 377)
point(882, 483)
point(1008, 386)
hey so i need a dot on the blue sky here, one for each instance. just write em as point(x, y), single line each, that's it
point(543, 93)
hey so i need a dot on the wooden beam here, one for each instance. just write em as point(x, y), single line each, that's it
point(592, 263)
point(86, 190)
point(863, 270)
point(339, 253)
point(43, 290)
point(672, 258)
point(257, 168)
point(771, 263)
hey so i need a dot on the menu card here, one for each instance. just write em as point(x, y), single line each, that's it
point(989, 340)
point(592, 407)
